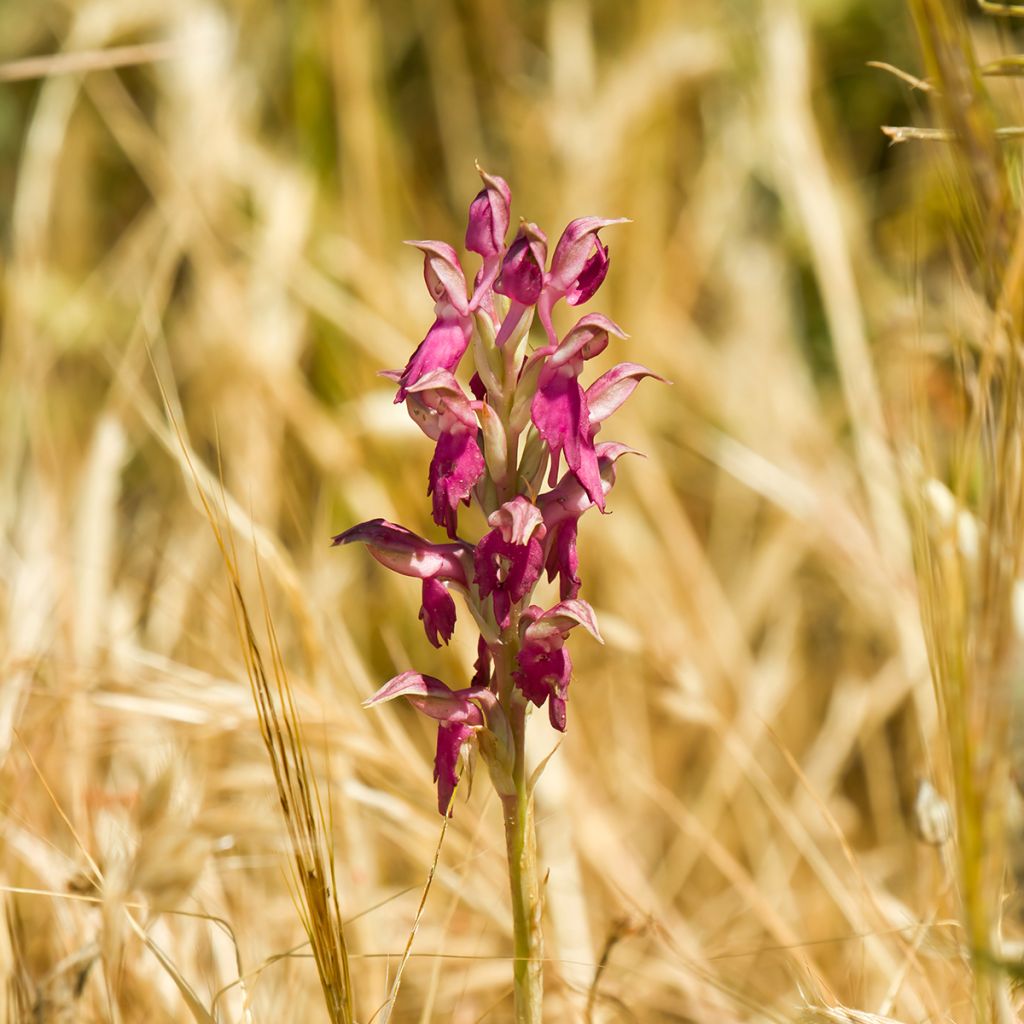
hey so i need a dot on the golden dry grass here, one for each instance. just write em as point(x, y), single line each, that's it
point(210, 197)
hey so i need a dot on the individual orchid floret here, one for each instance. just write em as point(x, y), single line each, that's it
point(489, 217)
point(407, 553)
point(458, 717)
point(521, 278)
point(485, 234)
point(578, 267)
point(588, 338)
point(544, 668)
point(522, 270)
point(560, 408)
point(440, 406)
point(448, 338)
point(442, 349)
point(404, 552)
point(509, 559)
point(437, 612)
point(580, 262)
point(562, 417)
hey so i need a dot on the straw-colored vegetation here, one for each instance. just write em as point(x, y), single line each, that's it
point(202, 205)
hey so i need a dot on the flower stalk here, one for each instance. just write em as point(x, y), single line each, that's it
point(522, 391)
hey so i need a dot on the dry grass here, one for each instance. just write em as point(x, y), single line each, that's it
point(213, 195)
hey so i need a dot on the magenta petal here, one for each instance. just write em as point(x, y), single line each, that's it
point(588, 338)
point(611, 389)
point(562, 560)
point(405, 552)
point(438, 612)
point(522, 270)
point(561, 416)
point(442, 349)
point(575, 257)
point(482, 665)
point(543, 673)
point(450, 739)
point(506, 572)
point(518, 520)
point(489, 216)
point(591, 276)
point(456, 466)
point(443, 274)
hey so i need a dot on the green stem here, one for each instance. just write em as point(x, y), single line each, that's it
point(521, 842)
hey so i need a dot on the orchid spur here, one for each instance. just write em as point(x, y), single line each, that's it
point(499, 444)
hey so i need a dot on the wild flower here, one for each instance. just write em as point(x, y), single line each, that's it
point(499, 445)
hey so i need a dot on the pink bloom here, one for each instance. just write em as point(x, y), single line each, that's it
point(448, 337)
point(438, 612)
point(489, 217)
point(509, 559)
point(544, 667)
point(441, 407)
point(442, 349)
point(485, 234)
point(522, 270)
point(580, 261)
point(406, 553)
point(543, 673)
point(443, 275)
point(611, 390)
point(560, 407)
point(560, 414)
point(578, 267)
point(455, 711)
point(456, 466)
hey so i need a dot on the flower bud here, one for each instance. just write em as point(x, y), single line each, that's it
point(522, 270)
point(489, 216)
point(580, 261)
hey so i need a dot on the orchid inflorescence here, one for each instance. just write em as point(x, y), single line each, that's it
point(528, 410)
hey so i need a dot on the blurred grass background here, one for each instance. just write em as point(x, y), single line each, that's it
point(728, 824)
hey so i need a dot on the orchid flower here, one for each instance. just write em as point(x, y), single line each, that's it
point(500, 444)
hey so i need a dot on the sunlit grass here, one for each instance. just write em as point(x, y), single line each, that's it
point(214, 197)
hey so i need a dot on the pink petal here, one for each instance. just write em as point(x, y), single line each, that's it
point(405, 552)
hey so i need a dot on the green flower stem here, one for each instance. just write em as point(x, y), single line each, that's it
point(521, 842)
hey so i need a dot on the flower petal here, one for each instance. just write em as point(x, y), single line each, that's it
point(456, 466)
point(442, 349)
point(562, 618)
point(443, 273)
point(522, 270)
point(489, 216)
point(437, 612)
point(405, 552)
point(611, 389)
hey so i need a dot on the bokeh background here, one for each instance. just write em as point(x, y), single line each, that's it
point(201, 219)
